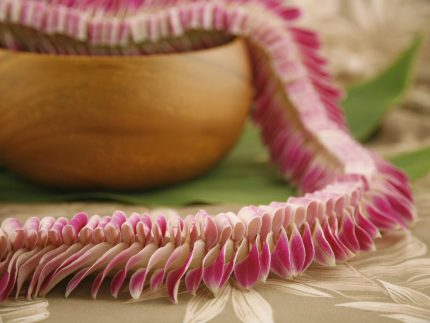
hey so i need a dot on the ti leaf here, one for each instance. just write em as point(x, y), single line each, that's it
point(416, 163)
point(366, 104)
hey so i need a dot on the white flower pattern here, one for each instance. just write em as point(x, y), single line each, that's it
point(23, 311)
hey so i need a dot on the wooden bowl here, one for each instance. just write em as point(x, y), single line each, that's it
point(121, 122)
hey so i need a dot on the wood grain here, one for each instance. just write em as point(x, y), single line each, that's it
point(121, 122)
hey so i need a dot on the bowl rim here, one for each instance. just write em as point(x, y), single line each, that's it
point(230, 43)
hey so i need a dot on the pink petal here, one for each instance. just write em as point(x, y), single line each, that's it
point(4, 245)
point(54, 234)
point(43, 261)
point(156, 279)
point(193, 279)
point(247, 271)
point(324, 255)
point(8, 278)
point(120, 260)
point(86, 257)
point(104, 260)
point(157, 260)
point(297, 252)
point(162, 224)
point(309, 246)
point(212, 273)
point(52, 265)
point(32, 228)
point(137, 281)
point(366, 225)
point(341, 252)
point(140, 259)
point(281, 263)
point(15, 232)
point(348, 235)
point(265, 259)
point(107, 258)
point(46, 224)
point(211, 232)
point(29, 267)
point(173, 279)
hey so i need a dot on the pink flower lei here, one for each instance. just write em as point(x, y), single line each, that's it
point(350, 195)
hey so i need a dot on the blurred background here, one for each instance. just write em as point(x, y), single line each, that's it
point(360, 38)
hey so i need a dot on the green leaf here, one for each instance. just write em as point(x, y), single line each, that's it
point(366, 104)
point(416, 163)
point(244, 177)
